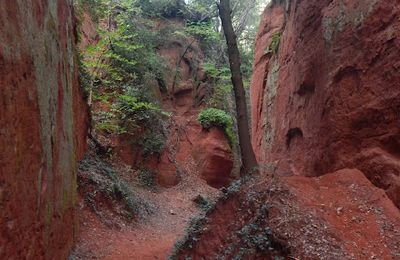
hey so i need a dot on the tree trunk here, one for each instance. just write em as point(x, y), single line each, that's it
point(248, 157)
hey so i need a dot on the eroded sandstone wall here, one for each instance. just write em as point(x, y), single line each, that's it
point(328, 96)
point(43, 122)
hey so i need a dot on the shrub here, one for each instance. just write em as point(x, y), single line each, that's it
point(163, 8)
point(220, 97)
point(212, 117)
point(147, 178)
point(274, 46)
point(136, 116)
point(202, 202)
point(203, 31)
point(130, 107)
point(98, 179)
point(153, 144)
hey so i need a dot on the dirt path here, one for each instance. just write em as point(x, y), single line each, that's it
point(151, 238)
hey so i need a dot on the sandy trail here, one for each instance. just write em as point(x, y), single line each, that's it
point(151, 238)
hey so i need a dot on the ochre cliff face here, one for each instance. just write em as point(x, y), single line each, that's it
point(189, 149)
point(43, 122)
point(329, 96)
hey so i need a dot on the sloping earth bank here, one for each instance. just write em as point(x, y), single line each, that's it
point(300, 218)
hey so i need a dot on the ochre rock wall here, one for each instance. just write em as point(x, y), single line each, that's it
point(328, 97)
point(43, 122)
point(189, 149)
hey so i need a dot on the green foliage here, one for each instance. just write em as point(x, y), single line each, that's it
point(207, 35)
point(131, 54)
point(85, 78)
point(126, 52)
point(202, 202)
point(232, 137)
point(218, 102)
point(107, 121)
point(123, 69)
point(147, 178)
point(218, 74)
point(247, 58)
point(202, 30)
point(274, 45)
point(276, 38)
point(130, 107)
point(105, 97)
point(90, 6)
point(101, 179)
point(222, 86)
point(219, 97)
point(199, 9)
point(163, 8)
point(137, 117)
point(109, 127)
point(212, 117)
point(153, 143)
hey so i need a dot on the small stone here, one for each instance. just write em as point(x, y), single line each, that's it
point(339, 210)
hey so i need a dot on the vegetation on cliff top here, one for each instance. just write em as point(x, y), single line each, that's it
point(123, 70)
point(212, 117)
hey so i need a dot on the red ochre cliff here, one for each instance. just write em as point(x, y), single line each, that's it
point(189, 149)
point(325, 101)
point(43, 122)
point(326, 89)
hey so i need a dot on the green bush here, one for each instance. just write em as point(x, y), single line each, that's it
point(147, 178)
point(130, 108)
point(203, 31)
point(274, 46)
point(212, 117)
point(219, 98)
point(163, 8)
point(137, 116)
point(153, 144)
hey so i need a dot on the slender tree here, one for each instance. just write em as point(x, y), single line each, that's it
point(248, 157)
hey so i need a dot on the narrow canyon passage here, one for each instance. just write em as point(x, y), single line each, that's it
point(153, 236)
point(189, 171)
point(120, 137)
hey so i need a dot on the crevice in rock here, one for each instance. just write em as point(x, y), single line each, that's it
point(293, 133)
point(182, 92)
point(344, 72)
point(392, 145)
point(306, 88)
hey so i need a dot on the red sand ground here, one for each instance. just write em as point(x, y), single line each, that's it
point(151, 238)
